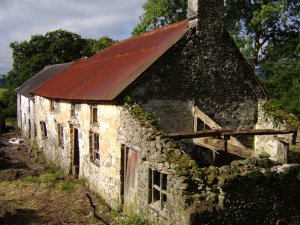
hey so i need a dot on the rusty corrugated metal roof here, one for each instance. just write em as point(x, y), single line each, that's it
point(40, 77)
point(105, 75)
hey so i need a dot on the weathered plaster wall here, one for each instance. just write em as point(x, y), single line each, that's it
point(103, 178)
point(26, 116)
point(204, 70)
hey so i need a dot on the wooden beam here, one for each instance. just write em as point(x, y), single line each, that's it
point(224, 132)
point(196, 134)
point(218, 144)
point(257, 132)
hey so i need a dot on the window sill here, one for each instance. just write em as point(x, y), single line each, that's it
point(96, 162)
point(155, 206)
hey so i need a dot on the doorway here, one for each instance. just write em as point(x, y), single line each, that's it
point(129, 178)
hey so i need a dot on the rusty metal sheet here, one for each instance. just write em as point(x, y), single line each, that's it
point(106, 74)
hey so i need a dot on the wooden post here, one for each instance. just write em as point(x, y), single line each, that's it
point(226, 138)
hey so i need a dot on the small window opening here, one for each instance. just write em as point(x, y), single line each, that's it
point(52, 106)
point(44, 130)
point(158, 188)
point(29, 129)
point(201, 125)
point(94, 148)
point(34, 130)
point(73, 109)
point(94, 114)
point(61, 135)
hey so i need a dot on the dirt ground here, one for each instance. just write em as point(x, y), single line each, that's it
point(31, 193)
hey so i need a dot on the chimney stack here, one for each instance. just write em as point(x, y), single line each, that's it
point(206, 15)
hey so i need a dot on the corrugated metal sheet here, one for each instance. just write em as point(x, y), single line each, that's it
point(40, 77)
point(105, 75)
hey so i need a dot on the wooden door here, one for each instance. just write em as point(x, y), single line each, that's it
point(76, 158)
point(130, 179)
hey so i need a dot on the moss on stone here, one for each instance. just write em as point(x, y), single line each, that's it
point(280, 116)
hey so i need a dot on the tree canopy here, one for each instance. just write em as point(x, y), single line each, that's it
point(59, 46)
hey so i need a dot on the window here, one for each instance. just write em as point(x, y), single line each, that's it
point(94, 147)
point(200, 125)
point(158, 188)
point(60, 134)
point(34, 130)
point(94, 116)
point(73, 109)
point(52, 105)
point(29, 129)
point(43, 130)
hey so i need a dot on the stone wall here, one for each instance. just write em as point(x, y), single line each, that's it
point(156, 153)
point(202, 70)
point(253, 191)
point(242, 192)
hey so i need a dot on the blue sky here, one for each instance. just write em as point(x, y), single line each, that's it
point(19, 19)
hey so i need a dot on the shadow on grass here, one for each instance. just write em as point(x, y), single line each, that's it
point(19, 216)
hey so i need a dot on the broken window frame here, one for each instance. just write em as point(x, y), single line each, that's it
point(60, 134)
point(199, 122)
point(44, 133)
point(94, 114)
point(158, 188)
point(94, 142)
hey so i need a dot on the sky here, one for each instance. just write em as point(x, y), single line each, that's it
point(19, 19)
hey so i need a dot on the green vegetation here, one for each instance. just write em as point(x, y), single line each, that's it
point(51, 177)
point(281, 116)
point(129, 220)
point(59, 46)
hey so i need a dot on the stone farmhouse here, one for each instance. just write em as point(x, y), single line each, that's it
point(138, 119)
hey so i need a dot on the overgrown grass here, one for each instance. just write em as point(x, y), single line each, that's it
point(129, 220)
point(51, 177)
point(11, 122)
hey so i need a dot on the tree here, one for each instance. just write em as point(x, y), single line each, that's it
point(103, 43)
point(29, 57)
point(158, 13)
point(254, 24)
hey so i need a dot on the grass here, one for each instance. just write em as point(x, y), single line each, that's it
point(11, 122)
point(51, 177)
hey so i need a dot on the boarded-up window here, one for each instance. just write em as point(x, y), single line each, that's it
point(94, 148)
point(60, 130)
point(158, 188)
point(44, 130)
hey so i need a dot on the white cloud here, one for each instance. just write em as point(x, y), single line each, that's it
point(19, 19)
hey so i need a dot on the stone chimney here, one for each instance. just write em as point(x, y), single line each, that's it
point(206, 15)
